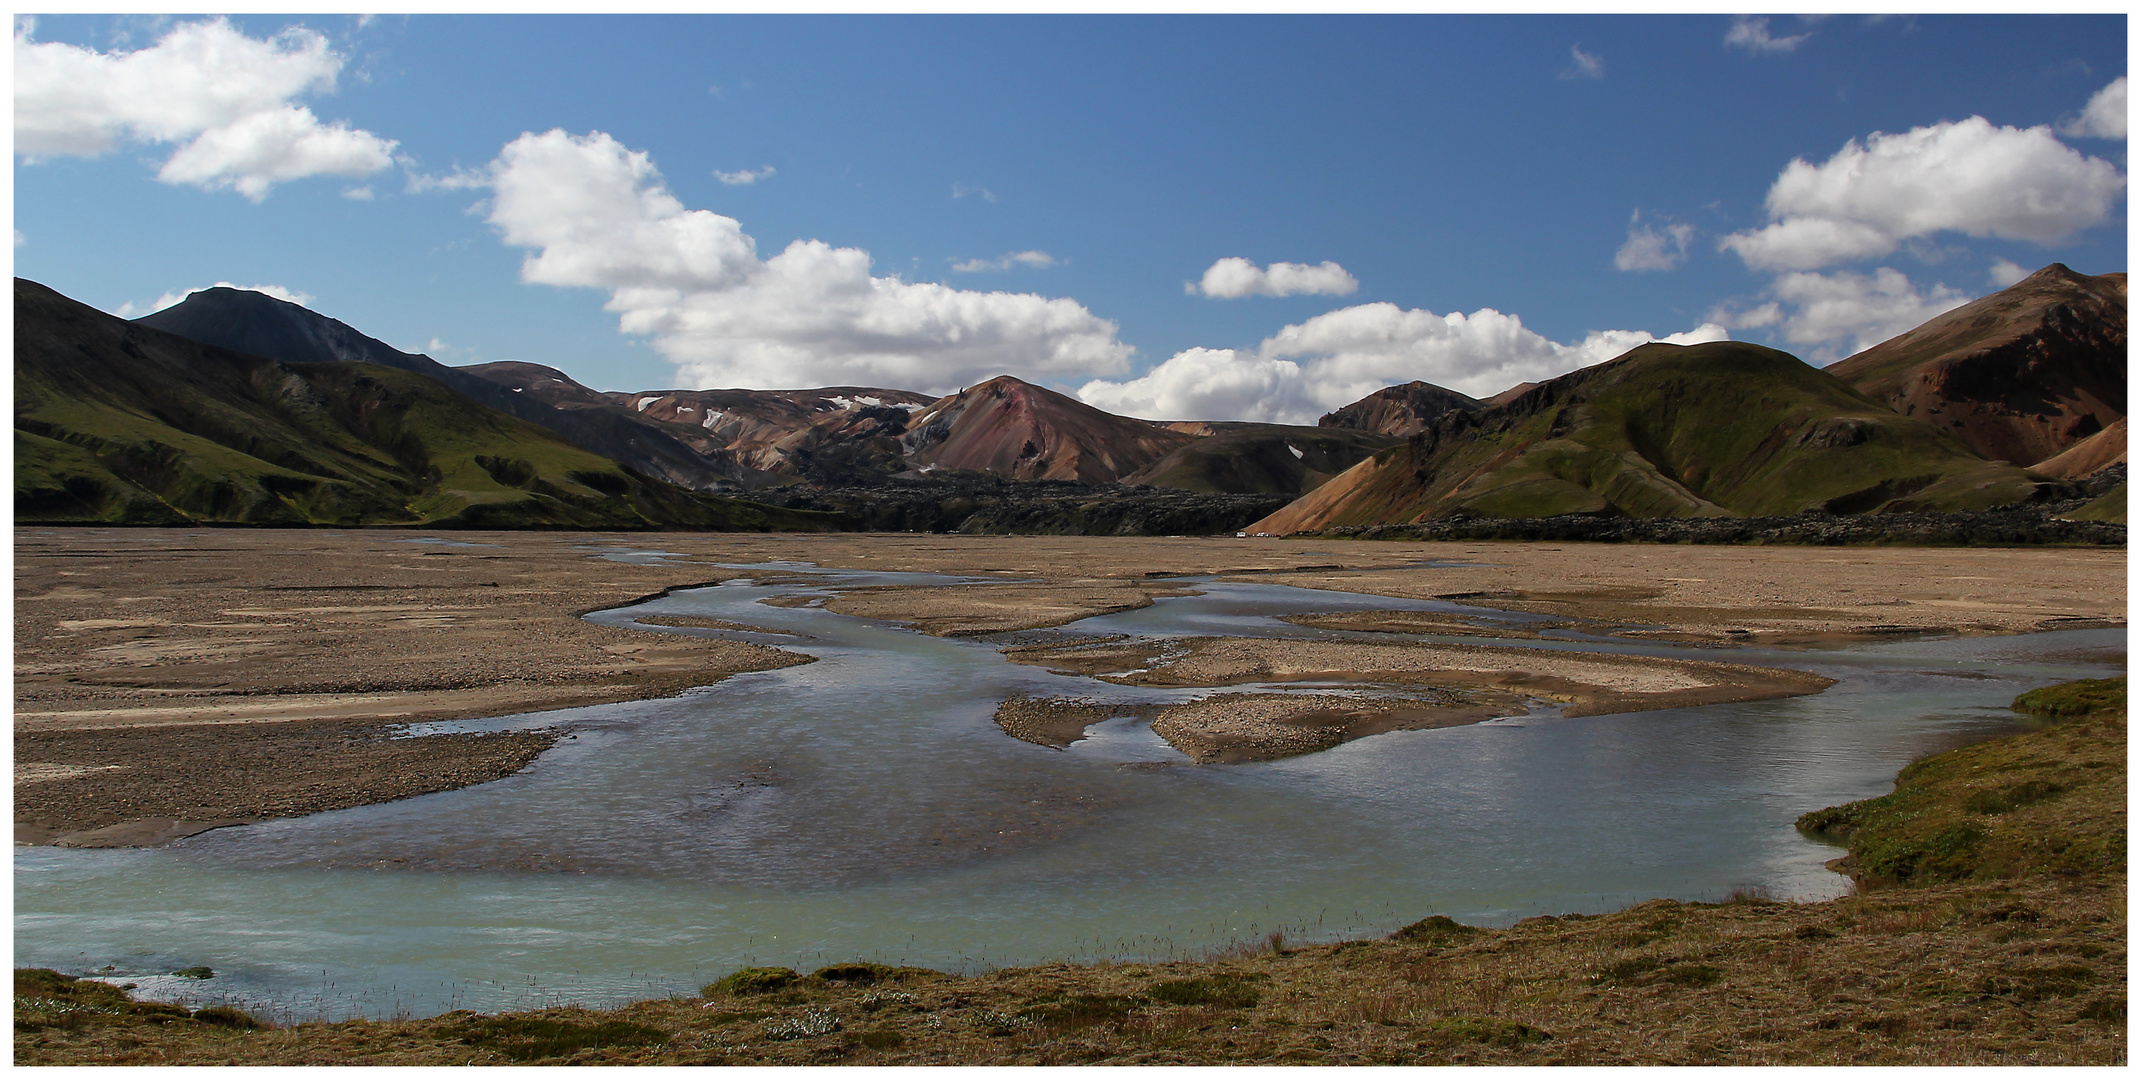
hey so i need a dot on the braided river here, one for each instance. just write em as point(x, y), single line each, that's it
point(867, 807)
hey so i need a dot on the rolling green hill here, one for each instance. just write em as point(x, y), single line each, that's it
point(1725, 428)
point(117, 422)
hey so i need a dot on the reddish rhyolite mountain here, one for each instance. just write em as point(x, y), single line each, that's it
point(2021, 375)
point(838, 434)
point(1399, 410)
point(830, 434)
point(845, 435)
point(2089, 456)
point(1014, 428)
point(1509, 395)
point(1719, 429)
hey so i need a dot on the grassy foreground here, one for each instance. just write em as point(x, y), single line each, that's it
point(1989, 928)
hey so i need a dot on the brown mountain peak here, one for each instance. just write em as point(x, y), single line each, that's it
point(1399, 410)
point(2021, 375)
point(1009, 426)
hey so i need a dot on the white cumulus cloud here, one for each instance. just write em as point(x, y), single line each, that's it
point(2005, 273)
point(1650, 248)
point(130, 310)
point(594, 214)
point(743, 177)
point(1209, 384)
point(1233, 278)
point(1033, 260)
point(1841, 313)
point(223, 100)
point(1969, 176)
point(1339, 357)
point(2105, 115)
point(1751, 33)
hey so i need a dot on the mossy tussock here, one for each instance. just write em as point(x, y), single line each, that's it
point(2046, 802)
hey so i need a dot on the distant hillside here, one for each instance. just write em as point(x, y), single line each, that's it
point(2021, 375)
point(251, 322)
point(1724, 428)
point(830, 435)
point(1399, 410)
point(1253, 459)
point(2085, 458)
point(121, 422)
point(1016, 429)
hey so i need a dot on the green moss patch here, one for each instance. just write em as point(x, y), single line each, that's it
point(1435, 930)
point(752, 980)
point(532, 1038)
point(2050, 801)
point(1220, 991)
point(2078, 698)
point(1485, 1030)
point(1070, 1011)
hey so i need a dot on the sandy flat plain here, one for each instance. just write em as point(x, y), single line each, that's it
point(145, 656)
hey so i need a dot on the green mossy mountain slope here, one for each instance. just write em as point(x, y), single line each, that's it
point(121, 423)
point(1718, 429)
point(1261, 459)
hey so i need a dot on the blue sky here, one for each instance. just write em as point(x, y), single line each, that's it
point(1504, 198)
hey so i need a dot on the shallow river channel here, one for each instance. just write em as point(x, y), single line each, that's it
point(866, 806)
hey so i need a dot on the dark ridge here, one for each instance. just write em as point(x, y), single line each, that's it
point(2035, 526)
point(1399, 410)
point(249, 322)
point(987, 505)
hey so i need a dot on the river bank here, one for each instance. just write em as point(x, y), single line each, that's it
point(135, 648)
point(2011, 952)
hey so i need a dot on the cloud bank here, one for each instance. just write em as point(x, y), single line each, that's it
point(596, 215)
point(1234, 278)
point(1334, 359)
point(1830, 316)
point(223, 100)
point(1890, 191)
point(1969, 176)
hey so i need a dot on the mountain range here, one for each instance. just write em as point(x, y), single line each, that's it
point(235, 406)
point(122, 422)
